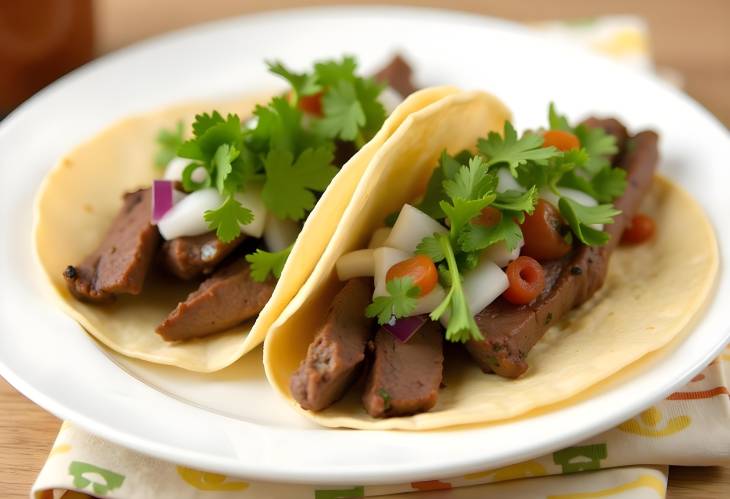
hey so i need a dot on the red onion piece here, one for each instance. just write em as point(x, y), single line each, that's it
point(162, 199)
point(406, 327)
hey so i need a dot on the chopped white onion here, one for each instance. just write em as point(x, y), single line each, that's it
point(390, 99)
point(251, 199)
point(500, 255)
point(175, 168)
point(185, 218)
point(279, 234)
point(384, 259)
point(411, 227)
point(482, 285)
point(379, 237)
point(507, 182)
point(426, 304)
point(360, 263)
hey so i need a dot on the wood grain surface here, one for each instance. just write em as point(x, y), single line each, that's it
point(690, 37)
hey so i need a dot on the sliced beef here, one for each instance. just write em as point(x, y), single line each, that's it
point(397, 74)
point(227, 298)
point(510, 331)
point(120, 263)
point(192, 256)
point(405, 377)
point(335, 356)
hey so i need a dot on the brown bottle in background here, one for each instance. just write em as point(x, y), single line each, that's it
point(41, 40)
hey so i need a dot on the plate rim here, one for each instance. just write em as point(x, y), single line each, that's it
point(250, 469)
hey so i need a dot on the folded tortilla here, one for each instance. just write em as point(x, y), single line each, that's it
point(651, 294)
point(82, 194)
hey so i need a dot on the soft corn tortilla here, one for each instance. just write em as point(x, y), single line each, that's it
point(651, 294)
point(82, 194)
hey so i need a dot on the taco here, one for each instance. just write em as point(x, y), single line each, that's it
point(477, 274)
point(188, 264)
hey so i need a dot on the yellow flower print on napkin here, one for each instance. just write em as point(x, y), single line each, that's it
point(203, 480)
point(649, 424)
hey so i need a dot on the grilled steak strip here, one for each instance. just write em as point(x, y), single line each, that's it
point(510, 331)
point(405, 377)
point(120, 263)
point(191, 256)
point(397, 74)
point(227, 298)
point(338, 350)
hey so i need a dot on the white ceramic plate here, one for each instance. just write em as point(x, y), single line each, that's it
point(231, 422)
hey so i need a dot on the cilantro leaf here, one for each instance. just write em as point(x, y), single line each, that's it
point(226, 220)
point(301, 83)
point(471, 182)
point(168, 142)
point(430, 247)
point(279, 126)
point(204, 121)
point(461, 326)
point(400, 301)
point(222, 159)
point(549, 173)
point(580, 217)
point(517, 201)
point(513, 151)
point(461, 211)
point(446, 169)
point(287, 191)
point(264, 263)
point(478, 237)
point(599, 145)
point(331, 72)
point(368, 90)
point(343, 113)
point(609, 183)
point(558, 121)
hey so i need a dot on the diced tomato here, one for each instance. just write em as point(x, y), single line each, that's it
point(560, 139)
point(311, 104)
point(526, 280)
point(543, 233)
point(420, 269)
point(640, 229)
point(489, 217)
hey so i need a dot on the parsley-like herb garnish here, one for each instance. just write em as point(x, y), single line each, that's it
point(580, 217)
point(168, 142)
point(264, 263)
point(400, 301)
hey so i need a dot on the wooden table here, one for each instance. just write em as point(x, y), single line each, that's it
point(691, 37)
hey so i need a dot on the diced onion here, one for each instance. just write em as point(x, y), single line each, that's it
point(279, 234)
point(251, 199)
point(483, 284)
point(390, 99)
point(379, 237)
point(499, 254)
point(358, 263)
point(411, 227)
point(175, 168)
point(384, 259)
point(403, 329)
point(507, 182)
point(427, 304)
point(162, 199)
point(186, 217)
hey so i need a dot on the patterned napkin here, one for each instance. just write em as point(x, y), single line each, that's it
point(690, 427)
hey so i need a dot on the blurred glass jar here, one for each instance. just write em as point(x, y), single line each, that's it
point(41, 40)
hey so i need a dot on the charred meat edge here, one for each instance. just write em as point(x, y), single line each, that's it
point(227, 298)
point(120, 264)
point(511, 331)
point(405, 377)
point(336, 354)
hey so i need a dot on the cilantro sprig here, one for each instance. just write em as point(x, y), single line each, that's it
point(400, 301)
point(282, 155)
point(264, 263)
